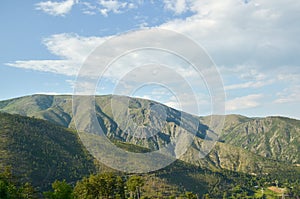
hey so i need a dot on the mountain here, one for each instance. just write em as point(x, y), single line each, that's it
point(42, 145)
point(274, 138)
point(158, 123)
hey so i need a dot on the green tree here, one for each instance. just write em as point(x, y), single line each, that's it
point(8, 190)
point(105, 185)
point(27, 191)
point(61, 190)
point(134, 184)
point(3, 189)
point(190, 195)
point(83, 189)
point(120, 188)
point(206, 196)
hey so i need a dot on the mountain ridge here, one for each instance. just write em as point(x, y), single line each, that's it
point(58, 109)
point(235, 157)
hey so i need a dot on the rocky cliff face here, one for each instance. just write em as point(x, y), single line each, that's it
point(277, 138)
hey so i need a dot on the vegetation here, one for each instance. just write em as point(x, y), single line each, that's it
point(256, 158)
point(11, 189)
point(113, 185)
point(106, 185)
point(271, 137)
point(61, 189)
point(40, 152)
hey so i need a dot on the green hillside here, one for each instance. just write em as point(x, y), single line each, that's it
point(40, 152)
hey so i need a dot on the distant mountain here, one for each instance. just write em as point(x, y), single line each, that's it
point(277, 138)
point(56, 109)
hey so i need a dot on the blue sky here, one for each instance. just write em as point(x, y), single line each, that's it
point(255, 45)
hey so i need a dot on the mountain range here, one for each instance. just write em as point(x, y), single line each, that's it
point(39, 140)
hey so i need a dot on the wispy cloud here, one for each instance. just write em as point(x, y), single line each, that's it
point(71, 50)
point(244, 102)
point(89, 8)
point(178, 6)
point(251, 84)
point(52, 93)
point(291, 94)
point(56, 8)
point(103, 7)
point(65, 67)
point(114, 6)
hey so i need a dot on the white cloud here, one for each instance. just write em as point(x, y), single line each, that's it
point(245, 102)
point(88, 8)
point(56, 8)
point(233, 32)
point(88, 12)
point(246, 76)
point(289, 77)
point(252, 84)
point(65, 67)
point(178, 6)
point(51, 93)
point(247, 73)
point(103, 7)
point(291, 92)
point(238, 33)
point(114, 6)
point(288, 95)
point(243, 72)
point(255, 42)
point(71, 48)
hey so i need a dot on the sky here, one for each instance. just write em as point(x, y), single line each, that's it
point(253, 43)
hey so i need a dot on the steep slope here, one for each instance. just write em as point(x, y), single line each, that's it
point(158, 123)
point(225, 156)
point(272, 137)
point(41, 152)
